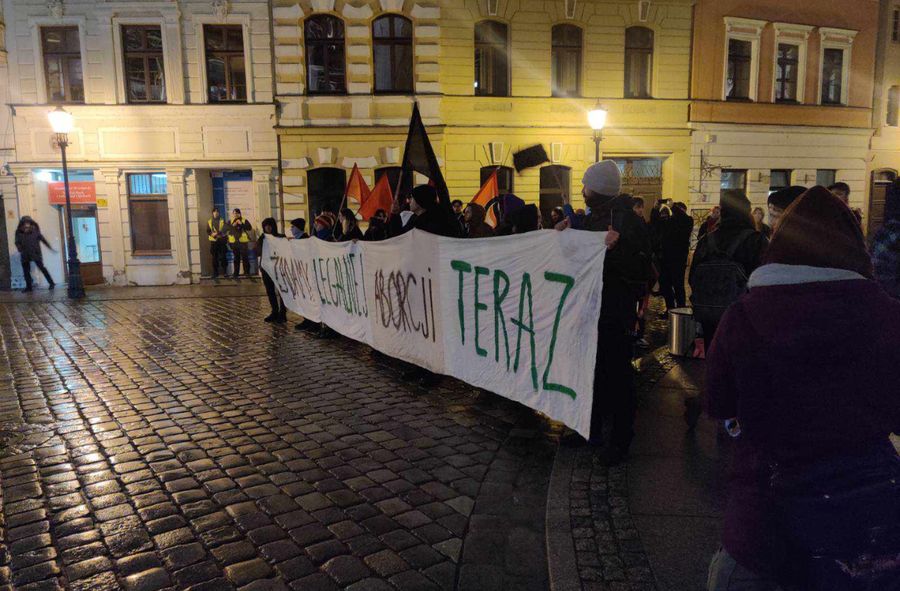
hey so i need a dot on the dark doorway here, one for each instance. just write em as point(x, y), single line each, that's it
point(326, 189)
point(556, 183)
point(881, 182)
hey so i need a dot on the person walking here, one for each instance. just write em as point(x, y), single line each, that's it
point(805, 370)
point(28, 241)
point(218, 243)
point(239, 240)
point(886, 244)
point(279, 311)
point(625, 274)
point(675, 246)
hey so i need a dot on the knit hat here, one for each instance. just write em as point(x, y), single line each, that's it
point(782, 198)
point(818, 230)
point(426, 196)
point(603, 178)
point(325, 220)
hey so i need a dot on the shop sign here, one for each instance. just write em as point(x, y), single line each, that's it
point(80, 192)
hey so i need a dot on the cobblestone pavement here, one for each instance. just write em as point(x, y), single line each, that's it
point(183, 444)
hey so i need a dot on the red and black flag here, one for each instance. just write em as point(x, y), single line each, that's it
point(418, 156)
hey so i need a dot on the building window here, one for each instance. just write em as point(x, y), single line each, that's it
point(832, 75)
point(740, 72)
point(556, 183)
point(565, 62)
point(504, 177)
point(62, 64)
point(779, 179)
point(393, 174)
point(145, 78)
point(733, 178)
point(895, 26)
point(638, 62)
point(325, 64)
point(393, 49)
point(893, 105)
point(326, 189)
point(226, 76)
point(148, 206)
point(787, 73)
point(491, 59)
point(825, 177)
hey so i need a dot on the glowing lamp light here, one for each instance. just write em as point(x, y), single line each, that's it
point(597, 118)
point(61, 120)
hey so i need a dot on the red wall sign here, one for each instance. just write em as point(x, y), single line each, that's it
point(80, 192)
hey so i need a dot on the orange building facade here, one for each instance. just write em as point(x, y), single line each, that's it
point(781, 94)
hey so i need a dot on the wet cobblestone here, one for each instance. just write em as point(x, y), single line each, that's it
point(183, 444)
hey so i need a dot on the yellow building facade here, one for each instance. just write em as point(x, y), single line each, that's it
point(491, 77)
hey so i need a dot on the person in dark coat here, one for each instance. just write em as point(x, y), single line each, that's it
point(476, 227)
point(349, 226)
point(298, 229)
point(28, 241)
point(625, 272)
point(805, 369)
point(429, 215)
point(710, 223)
point(525, 219)
point(378, 228)
point(759, 220)
point(780, 200)
point(279, 311)
point(675, 245)
point(886, 244)
point(735, 224)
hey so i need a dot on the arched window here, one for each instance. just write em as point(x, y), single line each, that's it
point(325, 64)
point(504, 177)
point(556, 181)
point(326, 189)
point(393, 49)
point(393, 174)
point(638, 62)
point(565, 64)
point(491, 59)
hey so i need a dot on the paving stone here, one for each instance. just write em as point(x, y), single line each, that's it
point(324, 551)
point(386, 563)
point(149, 580)
point(242, 573)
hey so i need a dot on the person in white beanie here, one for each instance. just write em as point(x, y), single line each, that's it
point(626, 273)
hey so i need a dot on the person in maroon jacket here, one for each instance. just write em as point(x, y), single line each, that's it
point(805, 370)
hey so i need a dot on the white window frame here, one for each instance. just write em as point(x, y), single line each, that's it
point(743, 29)
point(35, 25)
point(171, 62)
point(836, 39)
point(230, 19)
point(791, 34)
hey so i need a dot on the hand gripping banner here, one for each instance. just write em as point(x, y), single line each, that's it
point(516, 315)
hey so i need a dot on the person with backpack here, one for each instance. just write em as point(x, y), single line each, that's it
point(723, 261)
point(805, 369)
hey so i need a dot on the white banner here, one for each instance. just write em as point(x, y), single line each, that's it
point(516, 315)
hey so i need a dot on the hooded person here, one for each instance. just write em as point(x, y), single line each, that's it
point(780, 200)
point(525, 219)
point(429, 215)
point(378, 229)
point(28, 241)
point(626, 271)
point(279, 311)
point(805, 370)
point(509, 205)
point(298, 229)
point(886, 244)
point(475, 224)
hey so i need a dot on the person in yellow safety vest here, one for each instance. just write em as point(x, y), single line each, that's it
point(239, 241)
point(218, 243)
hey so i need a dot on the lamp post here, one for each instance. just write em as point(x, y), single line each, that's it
point(62, 122)
point(597, 121)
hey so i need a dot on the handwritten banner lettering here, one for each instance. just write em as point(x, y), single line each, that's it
point(515, 315)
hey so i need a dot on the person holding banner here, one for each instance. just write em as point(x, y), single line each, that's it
point(475, 225)
point(279, 311)
point(349, 226)
point(428, 214)
point(625, 272)
point(378, 228)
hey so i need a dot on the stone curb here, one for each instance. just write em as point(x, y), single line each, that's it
point(561, 566)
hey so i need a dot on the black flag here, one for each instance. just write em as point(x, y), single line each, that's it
point(418, 156)
point(530, 157)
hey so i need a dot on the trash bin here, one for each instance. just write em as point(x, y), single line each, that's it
point(682, 331)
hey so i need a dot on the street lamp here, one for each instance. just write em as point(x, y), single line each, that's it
point(597, 121)
point(62, 122)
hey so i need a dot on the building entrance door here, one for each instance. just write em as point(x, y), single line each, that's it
point(881, 182)
point(642, 177)
point(87, 241)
